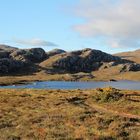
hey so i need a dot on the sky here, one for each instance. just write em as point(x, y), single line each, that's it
point(108, 25)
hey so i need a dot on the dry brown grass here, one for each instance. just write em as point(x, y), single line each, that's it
point(114, 73)
point(101, 75)
point(48, 63)
point(133, 56)
point(69, 114)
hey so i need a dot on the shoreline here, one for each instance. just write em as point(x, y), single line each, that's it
point(26, 82)
point(21, 80)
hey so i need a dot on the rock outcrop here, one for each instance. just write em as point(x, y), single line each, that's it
point(15, 60)
point(9, 65)
point(86, 60)
point(29, 55)
point(7, 48)
point(130, 67)
point(55, 52)
point(4, 54)
point(59, 61)
point(5, 51)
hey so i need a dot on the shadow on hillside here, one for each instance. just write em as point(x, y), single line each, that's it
point(29, 70)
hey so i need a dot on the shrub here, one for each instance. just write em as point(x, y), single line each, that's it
point(107, 94)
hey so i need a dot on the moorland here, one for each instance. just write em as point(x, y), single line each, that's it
point(99, 114)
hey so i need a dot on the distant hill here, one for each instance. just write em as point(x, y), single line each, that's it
point(133, 55)
point(88, 63)
point(85, 60)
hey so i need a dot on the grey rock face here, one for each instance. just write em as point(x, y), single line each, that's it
point(55, 52)
point(8, 65)
point(84, 61)
point(7, 48)
point(87, 60)
point(5, 51)
point(130, 67)
point(29, 55)
point(67, 63)
point(4, 54)
point(14, 60)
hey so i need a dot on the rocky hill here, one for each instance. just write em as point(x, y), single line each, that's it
point(14, 60)
point(22, 61)
point(86, 60)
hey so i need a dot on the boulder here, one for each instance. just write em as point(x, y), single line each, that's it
point(113, 80)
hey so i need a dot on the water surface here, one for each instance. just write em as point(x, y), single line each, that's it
point(132, 85)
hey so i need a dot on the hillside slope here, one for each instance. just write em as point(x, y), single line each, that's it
point(86, 60)
point(35, 64)
point(133, 55)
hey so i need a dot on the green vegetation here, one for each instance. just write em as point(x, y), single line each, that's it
point(100, 114)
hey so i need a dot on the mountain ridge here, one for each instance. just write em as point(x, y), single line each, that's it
point(86, 64)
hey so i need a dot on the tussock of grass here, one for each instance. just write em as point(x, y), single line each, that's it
point(108, 94)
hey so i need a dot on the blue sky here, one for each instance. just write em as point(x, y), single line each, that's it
point(65, 24)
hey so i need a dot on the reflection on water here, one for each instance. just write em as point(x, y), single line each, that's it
point(78, 85)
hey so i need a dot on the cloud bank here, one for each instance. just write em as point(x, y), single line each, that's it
point(116, 20)
point(35, 42)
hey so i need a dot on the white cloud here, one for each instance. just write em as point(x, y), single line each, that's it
point(116, 20)
point(34, 42)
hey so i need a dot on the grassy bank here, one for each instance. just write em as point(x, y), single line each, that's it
point(112, 73)
point(69, 114)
